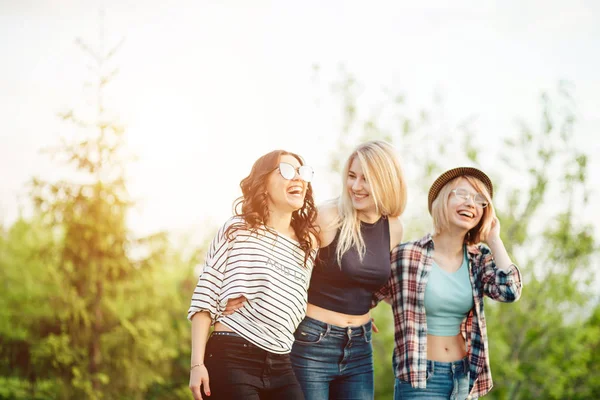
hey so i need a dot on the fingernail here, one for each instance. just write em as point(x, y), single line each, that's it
point(208, 394)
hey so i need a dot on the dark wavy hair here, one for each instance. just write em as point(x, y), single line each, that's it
point(252, 206)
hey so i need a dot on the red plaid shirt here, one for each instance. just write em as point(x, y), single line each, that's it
point(411, 264)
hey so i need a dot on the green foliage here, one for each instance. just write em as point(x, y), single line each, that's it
point(46, 325)
point(383, 350)
point(545, 346)
point(89, 311)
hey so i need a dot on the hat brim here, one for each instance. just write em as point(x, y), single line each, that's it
point(447, 176)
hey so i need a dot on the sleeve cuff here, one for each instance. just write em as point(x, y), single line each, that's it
point(511, 269)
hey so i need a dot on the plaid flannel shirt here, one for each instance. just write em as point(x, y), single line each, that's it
point(411, 264)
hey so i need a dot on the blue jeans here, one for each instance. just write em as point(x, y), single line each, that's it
point(445, 381)
point(333, 362)
point(239, 370)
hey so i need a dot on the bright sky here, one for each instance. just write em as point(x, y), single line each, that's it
point(206, 87)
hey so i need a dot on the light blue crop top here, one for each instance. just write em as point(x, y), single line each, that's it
point(448, 299)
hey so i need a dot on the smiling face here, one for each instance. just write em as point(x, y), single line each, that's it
point(286, 195)
point(464, 214)
point(359, 189)
point(459, 215)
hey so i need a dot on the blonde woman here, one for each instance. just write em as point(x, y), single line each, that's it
point(332, 354)
point(437, 287)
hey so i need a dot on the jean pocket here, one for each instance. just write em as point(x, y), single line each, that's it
point(368, 336)
point(428, 373)
point(308, 336)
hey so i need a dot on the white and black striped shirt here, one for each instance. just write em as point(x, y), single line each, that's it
point(266, 268)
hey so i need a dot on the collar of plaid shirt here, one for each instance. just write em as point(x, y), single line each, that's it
point(411, 264)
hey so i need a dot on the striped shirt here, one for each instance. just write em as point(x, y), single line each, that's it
point(411, 265)
point(266, 268)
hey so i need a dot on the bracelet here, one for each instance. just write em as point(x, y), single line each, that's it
point(196, 365)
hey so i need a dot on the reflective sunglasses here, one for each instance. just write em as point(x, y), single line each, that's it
point(478, 198)
point(288, 171)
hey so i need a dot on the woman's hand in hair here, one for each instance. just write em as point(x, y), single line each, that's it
point(234, 304)
point(494, 235)
point(501, 257)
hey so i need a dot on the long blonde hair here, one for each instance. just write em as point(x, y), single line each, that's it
point(382, 169)
point(439, 210)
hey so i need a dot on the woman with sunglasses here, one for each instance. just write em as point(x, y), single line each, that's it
point(437, 287)
point(266, 254)
point(332, 355)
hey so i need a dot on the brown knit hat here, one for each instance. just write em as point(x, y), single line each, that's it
point(455, 173)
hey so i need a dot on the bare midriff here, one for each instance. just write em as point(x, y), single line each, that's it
point(222, 328)
point(446, 348)
point(336, 318)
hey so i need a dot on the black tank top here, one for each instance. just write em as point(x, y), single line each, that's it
point(349, 289)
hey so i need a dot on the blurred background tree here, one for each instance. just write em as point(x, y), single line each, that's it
point(88, 310)
point(544, 346)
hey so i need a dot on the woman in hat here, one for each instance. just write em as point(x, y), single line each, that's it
point(332, 355)
point(265, 253)
point(437, 287)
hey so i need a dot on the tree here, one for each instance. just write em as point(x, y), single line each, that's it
point(115, 322)
point(545, 338)
point(543, 343)
point(26, 317)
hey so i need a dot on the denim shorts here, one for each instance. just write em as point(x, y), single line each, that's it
point(333, 362)
point(445, 381)
point(237, 370)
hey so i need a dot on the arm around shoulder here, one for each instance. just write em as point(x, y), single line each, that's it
point(327, 222)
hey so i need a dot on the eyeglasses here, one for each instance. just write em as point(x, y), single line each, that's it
point(288, 171)
point(478, 198)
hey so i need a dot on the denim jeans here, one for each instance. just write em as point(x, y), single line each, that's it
point(333, 362)
point(445, 381)
point(240, 370)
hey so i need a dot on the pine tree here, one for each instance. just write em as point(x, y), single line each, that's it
point(118, 299)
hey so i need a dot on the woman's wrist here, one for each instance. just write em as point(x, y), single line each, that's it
point(196, 365)
point(494, 241)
